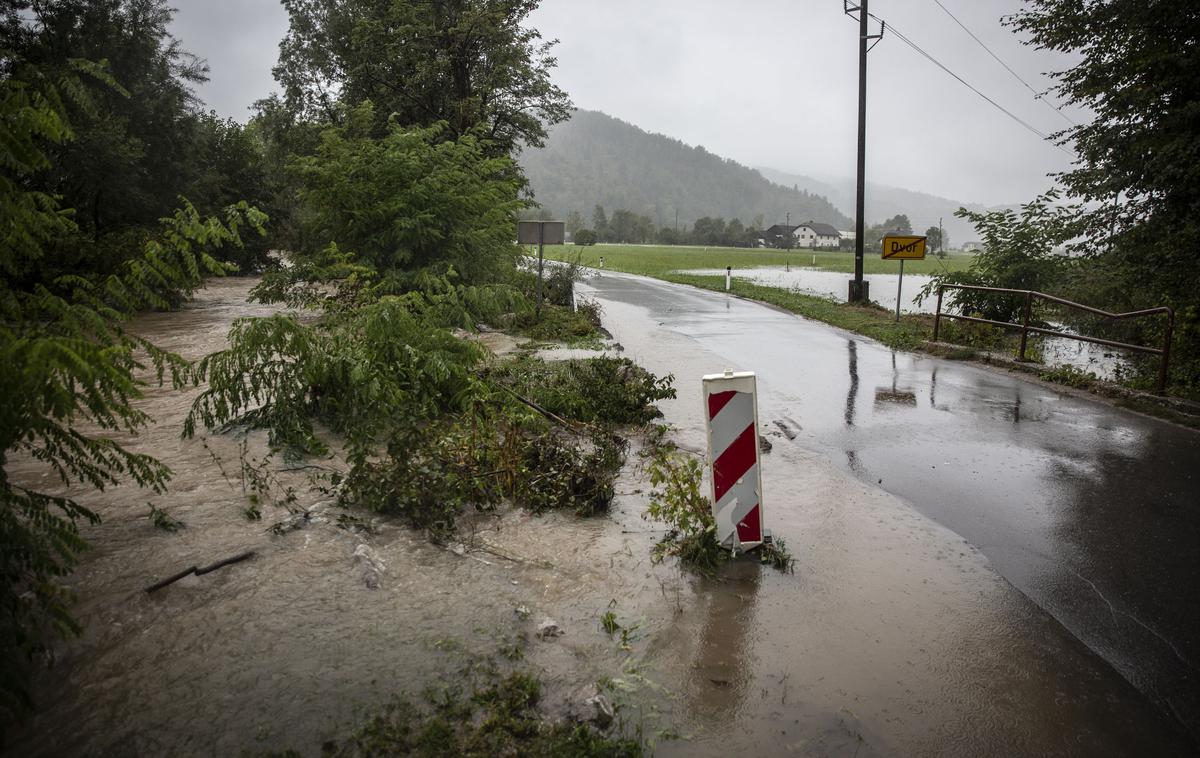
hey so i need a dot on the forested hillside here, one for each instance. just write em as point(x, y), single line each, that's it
point(594, 159)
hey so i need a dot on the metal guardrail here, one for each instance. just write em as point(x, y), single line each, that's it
point(1164, 351)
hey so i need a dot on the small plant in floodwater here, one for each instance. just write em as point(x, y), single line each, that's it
point(253, 512)
point(627, 636)
point(513, 648)
point(776, 555)
point(163, 520)
point(609, 623)
point(677, 501)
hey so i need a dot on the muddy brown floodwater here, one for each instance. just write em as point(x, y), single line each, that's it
point(893, 637)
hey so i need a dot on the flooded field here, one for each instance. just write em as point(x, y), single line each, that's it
point(894, 636)
point(1105, 362)
point(833, 284)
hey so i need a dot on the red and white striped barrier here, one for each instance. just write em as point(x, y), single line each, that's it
point(731, 408)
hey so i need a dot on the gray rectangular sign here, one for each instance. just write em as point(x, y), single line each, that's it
point(552, 232)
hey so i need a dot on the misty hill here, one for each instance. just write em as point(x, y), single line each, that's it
point(595, 159)
point(922, 209)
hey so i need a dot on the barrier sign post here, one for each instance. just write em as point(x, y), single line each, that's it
point(731, 410)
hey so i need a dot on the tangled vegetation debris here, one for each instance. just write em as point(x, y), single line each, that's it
point(677, 501)
point(163, 520)
point(494, 715)
point(428, 428)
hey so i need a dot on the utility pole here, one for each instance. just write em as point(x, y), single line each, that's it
point(859, 289)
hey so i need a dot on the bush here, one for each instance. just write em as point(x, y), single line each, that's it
point(607, 390)
point(584, 237)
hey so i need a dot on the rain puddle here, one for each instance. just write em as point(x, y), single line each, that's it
point(893, 637)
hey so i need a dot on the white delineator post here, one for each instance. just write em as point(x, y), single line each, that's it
point(731, 410)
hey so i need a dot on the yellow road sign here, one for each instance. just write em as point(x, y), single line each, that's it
point(903, 247)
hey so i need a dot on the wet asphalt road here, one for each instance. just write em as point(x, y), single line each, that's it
point(1090, 511)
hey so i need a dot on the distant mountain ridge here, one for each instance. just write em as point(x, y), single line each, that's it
point(595, 159)
point(882, 201)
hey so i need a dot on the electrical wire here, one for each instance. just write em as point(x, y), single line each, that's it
point(1043, 135)
point(1036, 94)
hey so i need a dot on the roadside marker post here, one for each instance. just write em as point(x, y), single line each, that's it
point(728, 276)
point(731, 412)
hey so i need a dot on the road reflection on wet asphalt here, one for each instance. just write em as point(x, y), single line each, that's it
point(1092, 512)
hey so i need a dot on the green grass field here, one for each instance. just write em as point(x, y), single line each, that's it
point(657, 260)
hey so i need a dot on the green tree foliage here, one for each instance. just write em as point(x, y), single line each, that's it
point(875, 233)
point(600, 223)
point(66, 365)
point(735, 233)
point(629, 227)
point(1019, 252)
point(139, 139)
point(411, 199)
point(933, 240)
point(131, 147)
point(585, 237)
point(575, 222)
point(231, 167)
point(469, 63)
point(1137, 178)
point(708, 231)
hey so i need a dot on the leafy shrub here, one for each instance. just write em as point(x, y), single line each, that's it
point(558, 284)
point(411, 200)
point(612, 390)
point(677, 501)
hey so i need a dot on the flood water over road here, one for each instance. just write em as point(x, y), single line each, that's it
point(1091, 512)
point(894, 636)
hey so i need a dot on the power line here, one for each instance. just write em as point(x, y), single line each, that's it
point(1036, 94)
point(965, 83)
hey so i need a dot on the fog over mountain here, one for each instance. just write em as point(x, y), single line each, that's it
point(595, 159)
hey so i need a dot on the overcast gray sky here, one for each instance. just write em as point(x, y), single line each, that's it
point(766, 83)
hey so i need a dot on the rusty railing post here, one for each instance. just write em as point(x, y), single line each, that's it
point(937, 315)
point(1025, 324)
point(1166, 353)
